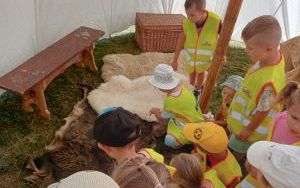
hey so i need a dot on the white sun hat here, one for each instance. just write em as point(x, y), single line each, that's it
point(86, 179)
point(279, 163)
point(164, 77)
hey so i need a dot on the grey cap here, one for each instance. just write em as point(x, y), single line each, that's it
point(233, 82)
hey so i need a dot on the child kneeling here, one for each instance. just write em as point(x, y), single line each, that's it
point(180, 106)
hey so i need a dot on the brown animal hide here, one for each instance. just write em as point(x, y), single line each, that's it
point(73, 148)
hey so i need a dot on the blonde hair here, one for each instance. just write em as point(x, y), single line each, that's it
point(188, 171)
point(141, 172)
point(290, 94)
point(200, 4)
point(265, 27)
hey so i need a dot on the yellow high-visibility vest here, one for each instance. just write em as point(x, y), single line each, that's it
point(159, 158)
point(228, 169)
point(212, 176)
point(186, 110)
point(248, 182)
point(244, 103)
point(199, 48)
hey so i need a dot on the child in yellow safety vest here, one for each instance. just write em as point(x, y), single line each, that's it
point(198, 41)
point(180, 105)
point(286, 129)
point(230, 87)
point(189, 173)
point(116, 131)
point(211, 141)
point(274, 165)
point(252, 110)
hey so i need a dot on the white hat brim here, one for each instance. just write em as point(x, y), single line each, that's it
point(164, 86)
point(257, 154)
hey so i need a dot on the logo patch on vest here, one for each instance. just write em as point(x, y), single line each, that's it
point(198, 133)
point(247, 92)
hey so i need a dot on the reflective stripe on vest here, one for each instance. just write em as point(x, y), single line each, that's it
point(200, 52)
point(212, 177)
point(228, 169)
point(189, 61)
point(199, 48)
point(184, 107)
point(243, 105)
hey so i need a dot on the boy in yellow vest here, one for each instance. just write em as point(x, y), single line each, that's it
point(198, 41)
point(116, 131)
point(180, 106)
point(211, 141)
point(285, 129)
point(250, 112)
point(230, 87)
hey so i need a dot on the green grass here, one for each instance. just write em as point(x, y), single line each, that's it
point(237, 64)
point(24, 133)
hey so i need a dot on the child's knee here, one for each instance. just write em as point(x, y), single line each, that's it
point(171, 142)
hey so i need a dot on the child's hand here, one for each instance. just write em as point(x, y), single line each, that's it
point(245, 134)
point(175, 66)
point(208, 116)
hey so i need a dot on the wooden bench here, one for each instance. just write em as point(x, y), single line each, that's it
point(31, 78)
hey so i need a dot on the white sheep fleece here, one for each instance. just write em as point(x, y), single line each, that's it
point(137, 96)
point(135, 66)
point(127, 84)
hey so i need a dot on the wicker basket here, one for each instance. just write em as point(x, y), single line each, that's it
point(158, 32)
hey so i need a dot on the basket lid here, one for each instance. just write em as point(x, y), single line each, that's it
point(149, 19)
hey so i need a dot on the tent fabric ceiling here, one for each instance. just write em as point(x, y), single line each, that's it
point(28, 26)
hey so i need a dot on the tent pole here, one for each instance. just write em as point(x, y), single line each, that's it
point(231, 15)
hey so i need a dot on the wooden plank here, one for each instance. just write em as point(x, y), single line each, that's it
point(28, 74)
point(232, 13)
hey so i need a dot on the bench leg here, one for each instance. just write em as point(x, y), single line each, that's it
point(27, 102)
point(89, 59)
point(40, 102)
point(80, 64)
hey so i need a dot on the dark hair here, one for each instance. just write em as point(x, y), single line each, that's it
point(200, 4)
point(290, 94)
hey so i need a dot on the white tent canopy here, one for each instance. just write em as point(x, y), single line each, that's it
point(28, 26)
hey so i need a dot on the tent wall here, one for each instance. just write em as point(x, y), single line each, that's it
point(28, 26)
point(17, 33)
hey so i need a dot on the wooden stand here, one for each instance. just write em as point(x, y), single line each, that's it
point(221, 49)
